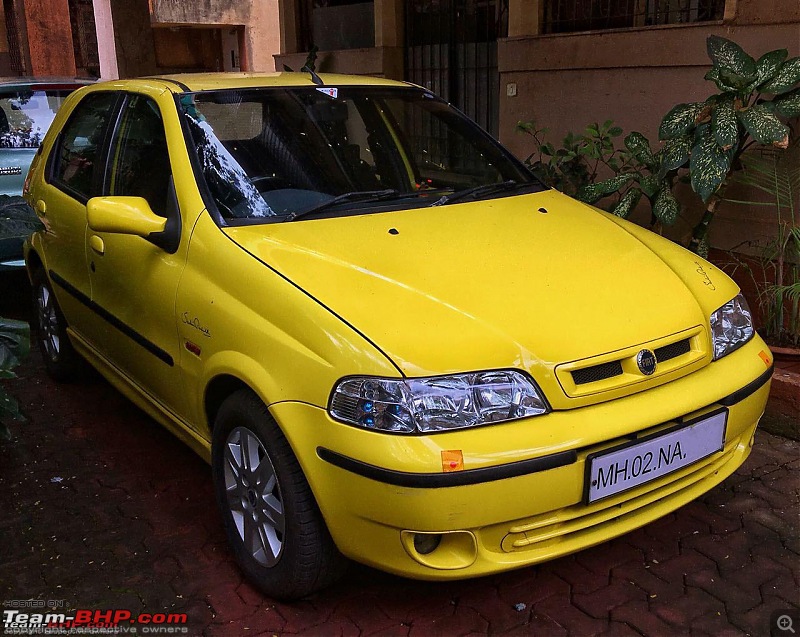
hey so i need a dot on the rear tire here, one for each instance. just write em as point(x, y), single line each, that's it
point(50, 329)
point(271, 518)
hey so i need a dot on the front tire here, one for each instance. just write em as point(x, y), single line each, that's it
point(270, 515)
point(50, 328)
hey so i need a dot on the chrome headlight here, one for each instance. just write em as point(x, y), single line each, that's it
point(731, 326)
point(439, 403)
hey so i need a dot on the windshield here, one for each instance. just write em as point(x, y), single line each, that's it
point(26, 114)
point(279, 154)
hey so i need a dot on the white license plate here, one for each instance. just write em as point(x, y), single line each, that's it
point(622, 468)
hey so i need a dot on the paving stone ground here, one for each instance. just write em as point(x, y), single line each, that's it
point(102, 508)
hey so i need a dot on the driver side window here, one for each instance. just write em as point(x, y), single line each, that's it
point(139, 159)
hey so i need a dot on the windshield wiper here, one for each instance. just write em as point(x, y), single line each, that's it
point(358, 195)
point(479, 191)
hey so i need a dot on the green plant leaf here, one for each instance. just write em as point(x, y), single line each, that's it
point(702, 247)
point(762, 125)
point(591, 193)
point(768, 65)
point(786, 79)
point(675, 153)
point(666, 207)
point(788, 104)
point(615, 131)
point(680, 120)
point(729, 56)
point(639, 146)
point(650, 185)
point(628, 202)
point(708, 166)
point(738, 82)
point(14, 343)
point(724, 125)
point(714, 76)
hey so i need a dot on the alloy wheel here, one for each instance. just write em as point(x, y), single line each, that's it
point(254, 496)
point(48, 322)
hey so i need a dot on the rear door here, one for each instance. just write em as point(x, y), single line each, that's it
point(75, 172)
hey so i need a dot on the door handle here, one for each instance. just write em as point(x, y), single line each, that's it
point(97, 244)
point(41, 207)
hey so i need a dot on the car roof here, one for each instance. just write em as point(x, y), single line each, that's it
point(215, 81)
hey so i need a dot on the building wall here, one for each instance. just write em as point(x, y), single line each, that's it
point(384, 59)
point(5, 56)
point(49, 37)
point(258, 17)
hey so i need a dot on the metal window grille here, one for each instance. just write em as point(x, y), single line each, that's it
point(84, 37)
point(451, 49)
point(565, 16)
point(12, 34)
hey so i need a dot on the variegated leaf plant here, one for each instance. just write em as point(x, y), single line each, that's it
point(755, 99)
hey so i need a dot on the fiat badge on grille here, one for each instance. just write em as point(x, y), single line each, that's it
point(646, 361)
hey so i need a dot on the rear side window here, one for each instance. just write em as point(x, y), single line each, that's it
point(81, 144)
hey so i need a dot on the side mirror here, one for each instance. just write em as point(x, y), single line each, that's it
point(124, 215)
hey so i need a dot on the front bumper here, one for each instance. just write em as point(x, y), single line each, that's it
point(520, 499)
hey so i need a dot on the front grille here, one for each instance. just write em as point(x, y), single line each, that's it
point(597, 372)
point(673, 350)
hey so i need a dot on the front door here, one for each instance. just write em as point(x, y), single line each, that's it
point(133, 281)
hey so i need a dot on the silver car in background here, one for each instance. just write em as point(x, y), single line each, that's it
point(27, 108)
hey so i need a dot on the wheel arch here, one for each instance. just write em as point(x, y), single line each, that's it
point(218, 389)
point(33, 262)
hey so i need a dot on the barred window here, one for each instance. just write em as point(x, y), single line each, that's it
point(567, 16)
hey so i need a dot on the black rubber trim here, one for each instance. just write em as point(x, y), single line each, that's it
point(151, 347)
point(749, 389)
point(180, 85)
point(450, 479)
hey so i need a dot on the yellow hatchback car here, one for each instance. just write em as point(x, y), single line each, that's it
point(389, 340)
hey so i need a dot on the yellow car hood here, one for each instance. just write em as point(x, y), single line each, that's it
point(527, 281)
